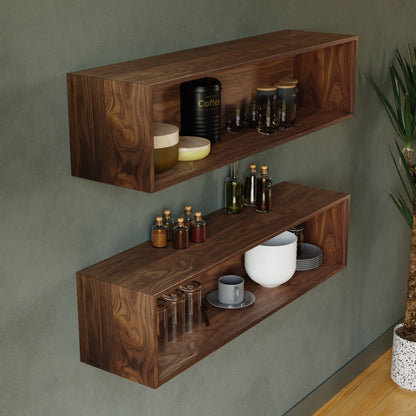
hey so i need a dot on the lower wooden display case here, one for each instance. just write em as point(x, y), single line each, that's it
point(117, 297)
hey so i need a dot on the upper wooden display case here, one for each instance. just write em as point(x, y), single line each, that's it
point(112, 108)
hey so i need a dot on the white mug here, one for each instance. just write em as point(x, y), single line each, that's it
point(231, 289)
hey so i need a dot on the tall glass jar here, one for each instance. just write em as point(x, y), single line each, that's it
point(287, 94)
point(175, 304)
point(233, 187)
point(267, 106)
point(162, 322)
point(264, 191)
point(192, 291)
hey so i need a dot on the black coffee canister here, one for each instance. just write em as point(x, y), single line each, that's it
point(201, 108)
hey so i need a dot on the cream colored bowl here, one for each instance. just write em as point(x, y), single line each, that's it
point(274, 262)
point(193, 148)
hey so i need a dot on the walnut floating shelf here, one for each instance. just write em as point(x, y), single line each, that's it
point(112, 108)
point(117, 297)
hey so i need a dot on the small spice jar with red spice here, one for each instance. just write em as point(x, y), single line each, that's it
point(198, 229)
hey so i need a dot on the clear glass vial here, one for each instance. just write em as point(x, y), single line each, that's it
point(250, 187)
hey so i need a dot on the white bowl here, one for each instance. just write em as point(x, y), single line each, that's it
point(274, 262)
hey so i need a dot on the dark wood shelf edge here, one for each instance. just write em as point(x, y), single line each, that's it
point(237, 147)
point(105, 269)
point(312, 284)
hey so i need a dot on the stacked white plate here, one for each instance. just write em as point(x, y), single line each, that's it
point(310, 257)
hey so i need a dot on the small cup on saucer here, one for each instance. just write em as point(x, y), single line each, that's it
point(231, 289)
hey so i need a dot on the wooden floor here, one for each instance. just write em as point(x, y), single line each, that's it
point(372, 393)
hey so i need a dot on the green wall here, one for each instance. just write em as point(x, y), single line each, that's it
point(52, 224)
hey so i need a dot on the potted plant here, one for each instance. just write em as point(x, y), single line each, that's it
point(401, 110)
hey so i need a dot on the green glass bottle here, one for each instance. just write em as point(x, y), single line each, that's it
point(233, 191)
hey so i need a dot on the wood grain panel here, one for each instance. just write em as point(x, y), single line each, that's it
point(94, 321)
point(193, 63)
point(86, 124)
point(128, 155)
point(329, 230)
point(327, 78)
point(134, 336)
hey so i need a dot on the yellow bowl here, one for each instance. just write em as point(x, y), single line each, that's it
point(193, 148)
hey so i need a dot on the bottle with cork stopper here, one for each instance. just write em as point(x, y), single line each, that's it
point(180, 235)
point(188, 216)
point(250, 187)
point(198, 229)
point(169, 222)
point(159, 234)
point(264, 191)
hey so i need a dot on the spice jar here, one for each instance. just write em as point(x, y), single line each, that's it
point(180, 235)
point(198, 229)
point(159, 234)
point(169, 222)
point(188, 216)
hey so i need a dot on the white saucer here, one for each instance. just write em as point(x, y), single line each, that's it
point(212, 299)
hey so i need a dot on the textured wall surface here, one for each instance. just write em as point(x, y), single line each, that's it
point(52, 224)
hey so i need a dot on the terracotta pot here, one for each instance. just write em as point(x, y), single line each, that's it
point(403, 362)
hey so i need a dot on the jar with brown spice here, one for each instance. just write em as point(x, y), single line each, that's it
point(159, 234)
point(180, 235)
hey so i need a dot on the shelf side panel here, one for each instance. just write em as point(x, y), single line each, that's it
point(134, 336)
point(94, 321)
point(116, 330)
point(111, 132)
point(327, 77)
point(329, 230)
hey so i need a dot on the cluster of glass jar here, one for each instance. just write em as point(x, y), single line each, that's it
point(186, 229)
point(254, 191)
point(273, 107)
point(179, 311)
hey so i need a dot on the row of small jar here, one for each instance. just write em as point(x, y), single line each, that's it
point(186, 229)
point(178, 312)
point(255, 190)
point(274, 107)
